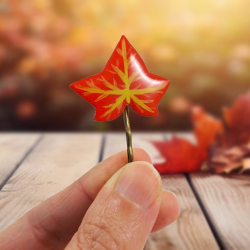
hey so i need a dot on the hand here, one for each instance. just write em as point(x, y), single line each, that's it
point(113, 206)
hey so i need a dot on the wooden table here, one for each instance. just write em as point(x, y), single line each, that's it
point(215, 209)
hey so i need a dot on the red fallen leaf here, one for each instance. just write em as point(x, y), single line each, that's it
point(183, 156)
point(124, 80)
point(231, 150)
point(180, 155)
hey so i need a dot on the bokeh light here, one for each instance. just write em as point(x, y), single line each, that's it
point(203, 47)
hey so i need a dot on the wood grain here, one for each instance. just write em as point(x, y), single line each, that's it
point(55, 163)
point(13, 149)
point(226, 200)
point(191, 230)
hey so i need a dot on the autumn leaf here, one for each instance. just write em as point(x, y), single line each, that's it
point(225, 148)
point(231, 151)
point(124, 80)
point(180, 154)
point(206, 129)
point(237, 119)
point(234, 159)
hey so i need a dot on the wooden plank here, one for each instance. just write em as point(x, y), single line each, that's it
point(13, 149)
point(191, 230)
point(226, 200)
point(55, 163)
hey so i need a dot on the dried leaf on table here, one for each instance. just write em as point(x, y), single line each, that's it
point(231, 150)
point(230, 160)
point(246, 165)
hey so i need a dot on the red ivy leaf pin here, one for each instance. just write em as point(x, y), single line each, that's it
point(124, 81)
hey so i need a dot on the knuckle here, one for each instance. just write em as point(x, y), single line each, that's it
point(37, 229)
point(46, 228)
point(98, 234)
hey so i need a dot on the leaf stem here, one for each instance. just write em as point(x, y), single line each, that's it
point(128, 135)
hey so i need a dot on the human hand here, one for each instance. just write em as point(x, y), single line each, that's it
point(113, 206)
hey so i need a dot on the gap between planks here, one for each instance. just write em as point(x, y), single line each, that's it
point(209, 221)
point(15, 148)
point(226, 200)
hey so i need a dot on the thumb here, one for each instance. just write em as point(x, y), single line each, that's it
point(124, 211)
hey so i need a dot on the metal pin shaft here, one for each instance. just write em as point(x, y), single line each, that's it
point(128, 135)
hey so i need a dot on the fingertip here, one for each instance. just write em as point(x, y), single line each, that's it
point(141, 155)
point(173, 205)
point(169, 210)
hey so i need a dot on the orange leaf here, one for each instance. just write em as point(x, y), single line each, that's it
point(124, 80)
point(206, 127)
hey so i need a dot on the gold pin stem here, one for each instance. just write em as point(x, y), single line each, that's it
point(128, 135)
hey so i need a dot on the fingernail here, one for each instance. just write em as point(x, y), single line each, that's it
point(173, 195)
point(140, 183)
point(170, 192)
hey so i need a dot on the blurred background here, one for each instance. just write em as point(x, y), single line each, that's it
point(203, 47)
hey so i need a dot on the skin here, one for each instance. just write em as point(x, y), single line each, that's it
point(94, 212)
